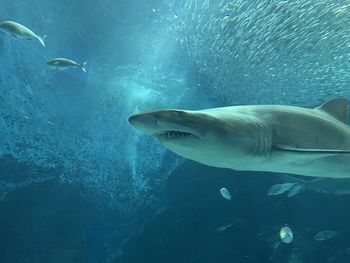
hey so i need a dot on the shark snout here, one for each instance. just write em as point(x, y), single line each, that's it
point(145, 122)
point(156, 123)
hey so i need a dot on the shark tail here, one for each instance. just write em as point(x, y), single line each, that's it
point(83, 66)
point(42, 39)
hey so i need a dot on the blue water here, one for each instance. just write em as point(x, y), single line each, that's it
point(79, 184)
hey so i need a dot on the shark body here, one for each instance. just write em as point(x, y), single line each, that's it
point(268, 138)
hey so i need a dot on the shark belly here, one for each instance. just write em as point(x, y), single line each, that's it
point(314, 165)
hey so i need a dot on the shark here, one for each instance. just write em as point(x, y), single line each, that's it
point(264, 138)
point(18, 31)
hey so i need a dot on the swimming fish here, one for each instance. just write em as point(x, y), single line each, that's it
point(278, 189)
point(325, 235)
point(266, 138)
point(18, 31)
point(223, 228)
point(330, 186)
point(292, 189)
point(64, 63)
point(286, 235)
point(267, 42)
point(293, 185)
point(225, 193)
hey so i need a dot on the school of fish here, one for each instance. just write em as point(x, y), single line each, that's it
point(267, 47)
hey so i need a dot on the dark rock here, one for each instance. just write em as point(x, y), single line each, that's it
point(44, 222)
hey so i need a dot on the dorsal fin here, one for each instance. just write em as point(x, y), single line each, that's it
point(338, 108)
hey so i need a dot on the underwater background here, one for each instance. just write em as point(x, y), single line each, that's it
point(79, 184)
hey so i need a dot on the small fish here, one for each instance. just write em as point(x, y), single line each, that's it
point(175, 17)
point(286, 235)
point(291, 188)
point(64, 63)
point(325, 235)
point(296, 190)
point(18, 31)
point(278, 189)
point(320, 185)
point(225, 193)
point(264, 33)
point(330, 186)
point(223, 228)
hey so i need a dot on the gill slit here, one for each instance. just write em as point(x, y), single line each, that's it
point(263, 140)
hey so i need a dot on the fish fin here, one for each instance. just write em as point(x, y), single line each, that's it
point(338, 108)
point(83, 66)
point(302, 150)
point(42, 39)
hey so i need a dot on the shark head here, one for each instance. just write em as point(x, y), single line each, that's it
point(196, 135)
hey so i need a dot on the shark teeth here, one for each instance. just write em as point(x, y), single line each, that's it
point(173, 134)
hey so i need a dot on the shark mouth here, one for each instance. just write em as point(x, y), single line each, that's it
point(169, 135)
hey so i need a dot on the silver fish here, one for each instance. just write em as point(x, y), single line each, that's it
point(325, 235)
point(225, 193)
point(18, 31)
point(64, 63)
point(301, 39)
point(223, 228)
point(278, 189)
point(286, 235)
point(291, 188)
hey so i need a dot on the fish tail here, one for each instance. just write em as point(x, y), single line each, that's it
point(83, 66)
point(42, 39)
